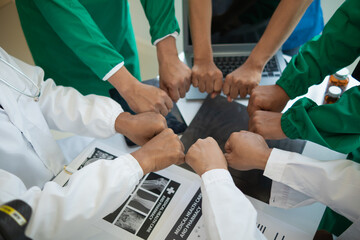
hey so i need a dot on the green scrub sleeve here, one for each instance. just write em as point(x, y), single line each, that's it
point(337, 47)
point(161, 17)
point(335, 126)
point(74, 25)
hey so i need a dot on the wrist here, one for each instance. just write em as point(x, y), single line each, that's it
point(122, 122)
point(166, 50)
point(143, 162)
point(264, 159)
point(123, 81)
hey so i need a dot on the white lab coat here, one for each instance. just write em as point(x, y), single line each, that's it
point(297, 181)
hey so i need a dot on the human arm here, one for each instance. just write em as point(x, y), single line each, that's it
point(92, 192)
point(282, 23)
point(90, 45)
point(174, 74)
point(298, 180)
point(222, 200)
point(205, 75)
point(334, 49)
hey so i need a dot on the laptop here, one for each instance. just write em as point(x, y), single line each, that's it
point(235, 30)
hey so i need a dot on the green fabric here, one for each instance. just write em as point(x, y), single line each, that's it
point(78, 42)
point(335, 126)
point(337, 47)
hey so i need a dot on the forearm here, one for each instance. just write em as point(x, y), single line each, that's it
point(329, 182)
point(91, 194)
point(200, 24)
point(223, 202)
point(282, 23)
point(161, 17)
point(335, 126)
point(65, 109)
point(324, 55)
point(166, 50)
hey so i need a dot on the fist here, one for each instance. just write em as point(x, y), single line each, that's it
point(267, 124)
point(205, 155)
point(246, 151)
point(160, 152)
point(140, 128)
point(207, 77)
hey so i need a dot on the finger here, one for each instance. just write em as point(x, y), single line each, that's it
point(226, 86)
point(202, 85)
point(229, 99)
point(195, 81)
point(182, 146)
point(182, 91)
point(218, 84)
point(188, 84)
point(234, 92)
point(252, 107)
point(214, 94)
point(163, 109)
point(243, 91)
point(227, 146)
point(209, 87)
point(168, 103)
point(174, 94)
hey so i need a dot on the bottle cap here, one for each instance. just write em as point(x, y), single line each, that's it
point(342, 73)
point(334, 91)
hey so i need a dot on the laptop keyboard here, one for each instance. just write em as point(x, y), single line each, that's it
point(230, 63)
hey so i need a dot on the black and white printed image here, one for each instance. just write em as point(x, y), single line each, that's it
point(155, 183)
point(130, 220)
point(143, 201)
point(98, 154)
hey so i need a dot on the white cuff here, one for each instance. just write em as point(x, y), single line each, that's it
point(276, 164)
point(174, 35)
point(216, 175)
point(113, 71)
point(132, 163)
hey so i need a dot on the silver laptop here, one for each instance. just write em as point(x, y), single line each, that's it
point(235, 29)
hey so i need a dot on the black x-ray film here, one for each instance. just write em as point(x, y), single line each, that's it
point(218, 118)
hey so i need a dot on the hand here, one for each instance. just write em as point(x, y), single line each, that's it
point(175, 78)
point(246, 151)
point(205, 155)
point(242, 81)
point(140, 97)
point(270, 98)
point(207, 77)
point(267, 124)
point(146, 98)
point(160, 152)
point(140, 128)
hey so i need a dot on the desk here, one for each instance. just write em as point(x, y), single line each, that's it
point(304, 218)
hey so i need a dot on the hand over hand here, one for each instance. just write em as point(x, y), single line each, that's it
point(175, 78)
point(140, 128)
point(270, 98)
point(241, 81)
point(205, 155)
point(160, 152)
point(246, 151)
point(267, 124)
point(207, 77)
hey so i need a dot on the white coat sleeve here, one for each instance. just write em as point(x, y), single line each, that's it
point(64, 212)
point(301, 180)
point(224, 203)
point(65, 109)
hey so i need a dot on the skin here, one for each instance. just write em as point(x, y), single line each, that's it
point(160, 152)
point(175, 76)
point(269, 98)
point(243, 80)
point(246, 151)
point(140, 128)
point(267, 124)
point(205, 155)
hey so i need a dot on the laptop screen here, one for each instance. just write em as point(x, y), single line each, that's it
point(239, 21)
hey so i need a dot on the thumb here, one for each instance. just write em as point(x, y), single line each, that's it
point(227, 146)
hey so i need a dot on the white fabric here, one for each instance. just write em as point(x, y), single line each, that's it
point(25, 124)
point(66, 212)
point(228, 214)
point(113, 71)
point(174, 35)
point(300, 180)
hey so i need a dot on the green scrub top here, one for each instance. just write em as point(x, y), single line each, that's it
point(78, 42)
point(335, 126)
